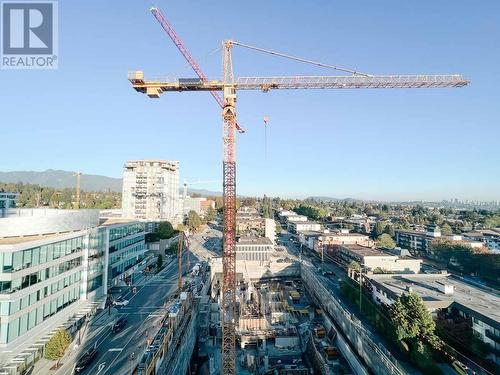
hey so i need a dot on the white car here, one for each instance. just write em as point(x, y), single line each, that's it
point(120, 302)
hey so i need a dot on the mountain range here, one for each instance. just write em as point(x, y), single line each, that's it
point(66, 179)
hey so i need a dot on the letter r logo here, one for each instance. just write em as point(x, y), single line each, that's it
point(27, 28)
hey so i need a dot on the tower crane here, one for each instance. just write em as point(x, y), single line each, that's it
point(229, 87)
point(78, 180)
point(186, 183)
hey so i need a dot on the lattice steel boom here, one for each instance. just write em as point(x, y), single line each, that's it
point(187, 55)
point(155, 87)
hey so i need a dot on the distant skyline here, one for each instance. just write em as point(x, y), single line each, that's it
point(366, 144)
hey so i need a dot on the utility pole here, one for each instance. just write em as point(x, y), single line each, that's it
point(360, 287)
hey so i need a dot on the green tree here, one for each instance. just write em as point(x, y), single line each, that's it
point(413, 323)
point(385, 241)
point(194, 221)
point(354, 266)
point(211, 214)
point(389, 229)
point(446, 230)
point(56, 346)
point(173, 248)
point(492, 221)
point(378, 229)
point(165, 230)
point(313, 212)
point(159, 262)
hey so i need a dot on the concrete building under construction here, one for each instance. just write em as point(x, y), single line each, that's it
point(151, 190)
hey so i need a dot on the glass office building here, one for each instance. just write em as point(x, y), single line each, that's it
point(56, 267)
point(126, 251)
point(37, 280)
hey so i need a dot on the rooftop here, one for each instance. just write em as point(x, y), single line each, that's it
point(253, 240)
point(364, 250)
point(22, 239)
point(303, 222)
point(115, 220)
point(484, 232)
point(427, 286)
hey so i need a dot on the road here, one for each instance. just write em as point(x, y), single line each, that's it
point(207, 244)
point(144, 312)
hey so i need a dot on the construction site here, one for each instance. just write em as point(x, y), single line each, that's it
point(271, 316)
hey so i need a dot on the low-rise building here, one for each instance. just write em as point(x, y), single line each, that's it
point(249, 223)
point(253, 248)
point(376, 260)
point(329, 240)
point(422, 240)
point(296, 218)
point(296, 227)
point(489, 237)
point(442, 291)
point(343, 237)
point(199, 205)
point(284, 214)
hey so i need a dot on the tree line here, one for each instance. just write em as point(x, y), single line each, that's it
point(33, 196)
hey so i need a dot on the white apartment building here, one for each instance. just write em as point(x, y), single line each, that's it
point(151, 190)
point(296, 227)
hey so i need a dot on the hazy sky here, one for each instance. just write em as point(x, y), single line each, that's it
point(373, 144)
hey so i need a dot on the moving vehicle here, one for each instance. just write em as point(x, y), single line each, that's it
point(119, 324)
point(85, 360)
point(120, 302)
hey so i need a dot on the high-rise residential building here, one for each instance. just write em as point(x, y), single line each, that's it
point(151, 190)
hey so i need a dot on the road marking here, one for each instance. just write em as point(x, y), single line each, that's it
point(115, 350)
point(101, 367)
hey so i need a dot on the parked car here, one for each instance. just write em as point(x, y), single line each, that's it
point(119, 324)
point(85, 360)
point(120, 302)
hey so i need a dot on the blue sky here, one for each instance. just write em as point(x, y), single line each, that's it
point(371, 144)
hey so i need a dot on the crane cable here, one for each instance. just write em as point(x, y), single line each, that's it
point(353, 72)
